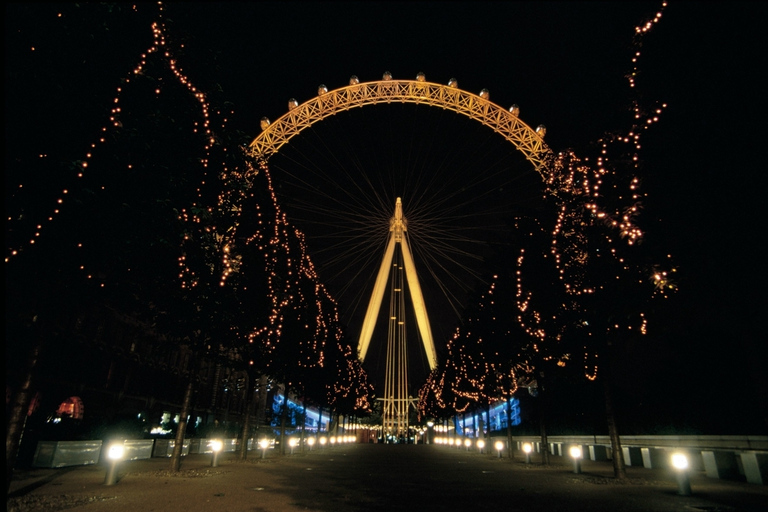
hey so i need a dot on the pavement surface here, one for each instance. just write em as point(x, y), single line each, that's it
point(372, 478)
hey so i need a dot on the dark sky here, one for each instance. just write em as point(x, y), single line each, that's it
point(564, 63)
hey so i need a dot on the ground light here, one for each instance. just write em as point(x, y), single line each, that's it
point(680, 463)
point(499, 447)
point(527, 449)
point(216, 447)
point(263, 444)
point(575, 452)
point(114, 454)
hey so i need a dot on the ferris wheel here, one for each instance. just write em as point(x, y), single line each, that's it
point(462, 165)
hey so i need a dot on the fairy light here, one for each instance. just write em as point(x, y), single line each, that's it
point(476, 370)
point(297, 298)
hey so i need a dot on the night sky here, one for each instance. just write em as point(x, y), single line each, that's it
point(564, 63)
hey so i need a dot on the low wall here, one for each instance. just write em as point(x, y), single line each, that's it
point(727, 457)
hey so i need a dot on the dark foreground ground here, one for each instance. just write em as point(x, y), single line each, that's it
point(371, 478)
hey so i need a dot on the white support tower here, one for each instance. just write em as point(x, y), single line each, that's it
point(396, 399)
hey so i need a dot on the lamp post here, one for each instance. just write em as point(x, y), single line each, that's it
point(527, 448)
point(216, 446)
point(114, 454)
point(263, 444)
point(680, 463)
point(430, 424)
point(499, 447)
point(575, 452)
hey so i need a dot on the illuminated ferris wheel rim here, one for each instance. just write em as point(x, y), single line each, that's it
point(358, 94)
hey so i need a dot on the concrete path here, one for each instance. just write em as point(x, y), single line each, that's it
point(371, 478)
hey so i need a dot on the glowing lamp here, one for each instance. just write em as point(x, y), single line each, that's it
point(264, 444)
point(480, 445)
point(527, 448)
point(216, 447)
point(115, 453)
point(499, 447)
point(680, 463)
point(467, 443)
point(575, 453)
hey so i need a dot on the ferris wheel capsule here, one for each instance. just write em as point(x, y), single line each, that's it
point(321, 89)
point(353, 80)
point(453, 83)
point(541, 130)
point(292, 103)
point(485, 94)
point(514, 110)
point(264, 123)
point(387, 76)
point(421, 77)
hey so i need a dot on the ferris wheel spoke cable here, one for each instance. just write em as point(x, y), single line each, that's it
point(453, 203)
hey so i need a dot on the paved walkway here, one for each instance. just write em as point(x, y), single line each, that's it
point(371, 478)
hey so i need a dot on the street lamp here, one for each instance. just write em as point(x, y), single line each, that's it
point(114, 454)
point(575, 452)
point(499, 447)
point(264, 444)
point(527, 448)
point(216, 447)
point(680, 463)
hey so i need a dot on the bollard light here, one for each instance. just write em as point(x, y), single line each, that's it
point(480, 445)
point(323, 441)
point(264, 444)
point(216, 447)
point(575, 452)
point(467, 443)
point(311, 443)
point(680, 463)
point(115, 454)
point(527, 448)
point(292, 442)
point(499, 447)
